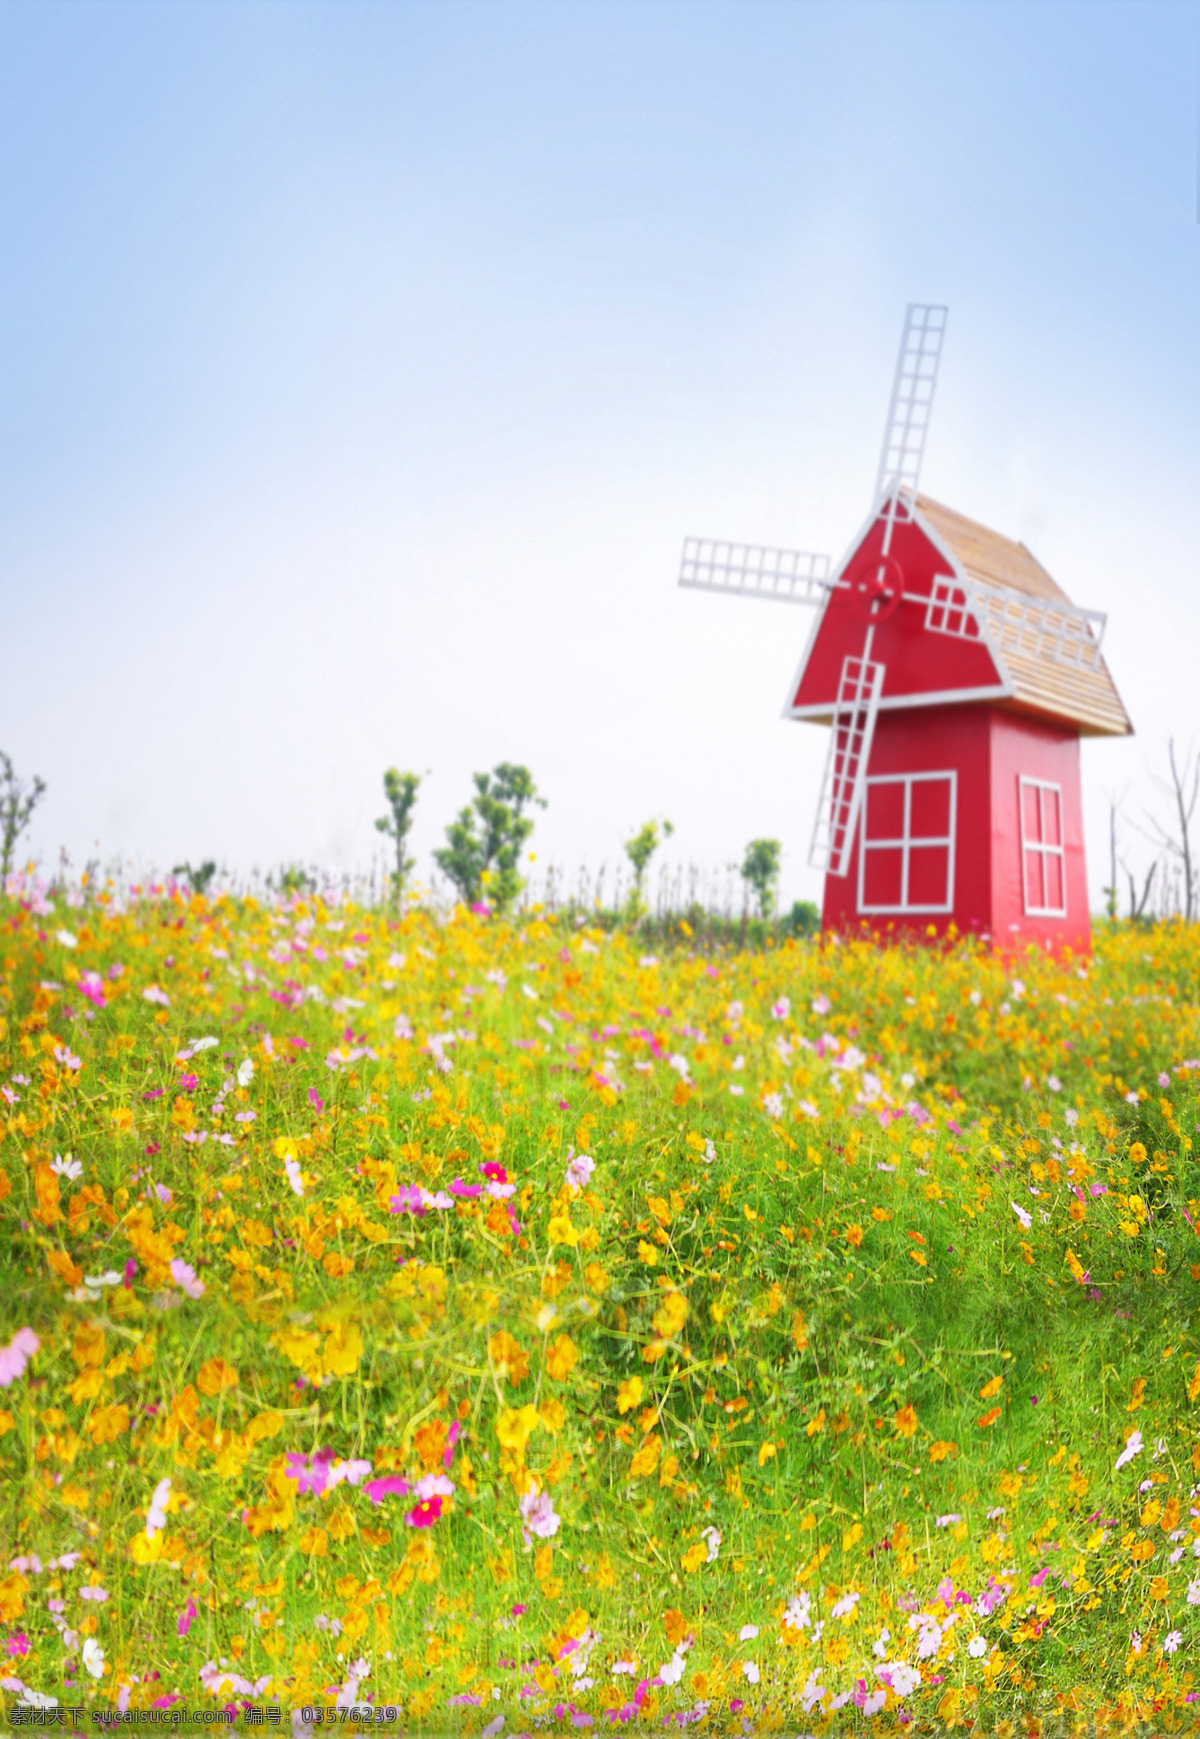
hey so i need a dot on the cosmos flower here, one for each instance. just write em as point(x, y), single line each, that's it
point(17, 1354)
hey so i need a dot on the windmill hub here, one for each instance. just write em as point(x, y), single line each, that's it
point(877, 589)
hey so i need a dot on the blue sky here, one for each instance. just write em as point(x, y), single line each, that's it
point(364, 366)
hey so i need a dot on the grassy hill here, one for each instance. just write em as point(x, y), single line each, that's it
point(487, 1324)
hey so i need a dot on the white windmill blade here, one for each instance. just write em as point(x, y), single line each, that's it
point(912, 399)
point(755, 571)
point(853, 728)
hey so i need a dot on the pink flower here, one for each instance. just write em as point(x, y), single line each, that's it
point(184, 1622)
point(468, 1190)
point(455, 1434)
point(18, 1644)
point(580, 1169)
point(538, 1517)
point(311, 1472)
point(16, 1355)
point(130, 1271)
point(391, 1485)
point(183, 1274)
point(425, 1513)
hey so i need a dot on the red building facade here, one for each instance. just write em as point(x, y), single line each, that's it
point(968, 809)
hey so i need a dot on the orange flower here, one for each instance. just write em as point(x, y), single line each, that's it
point(854, 1235)
point(905, 1420)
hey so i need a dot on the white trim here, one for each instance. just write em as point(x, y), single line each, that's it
point(1040, 846)
point(833, 582)
point(824, 710)
point(906, 842)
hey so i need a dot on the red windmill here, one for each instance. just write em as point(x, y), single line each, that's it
point(957, 679)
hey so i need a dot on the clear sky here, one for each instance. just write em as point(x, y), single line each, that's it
point(364, 365)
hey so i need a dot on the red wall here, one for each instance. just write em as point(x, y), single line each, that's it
point(989, 750)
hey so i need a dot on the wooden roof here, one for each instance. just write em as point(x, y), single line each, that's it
point(1088, 698)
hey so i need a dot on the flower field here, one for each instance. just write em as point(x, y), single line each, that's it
point(475, 1325)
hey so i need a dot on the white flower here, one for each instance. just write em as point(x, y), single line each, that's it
point(294, 1176)
point(1054, 1084)
point(153, 994)
point(156, 1515)
point(796, 1615)
point(977, 1647)
point(68, 1167)
point(1018, 989)
point(773, 1105)
point(948, 1520)
point(714, 1543)
point(35, 1699)
point(747, 1633)
point(1193, 1593)
point(672, 1672)
point(66, 938)
point(873, 1703)
point(1131, 1098)
point(1025, 1219)
point(680, 1064)
point(1072, 1116)
point(1172, 1641)
point(1133, 1446)
point(245, 1072)
point(750, 1671)
point(710, 1153)
point(845, 1606)
point(929, 1641)
point(821, 1005)
point(93, 1657)
point(904, 1678)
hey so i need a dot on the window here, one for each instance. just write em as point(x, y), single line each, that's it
point(1043, 873)
point(906, 863)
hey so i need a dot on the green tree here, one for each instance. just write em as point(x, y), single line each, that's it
point(196, 879)
point(400, 789)
point(760, 868)
point(639, 850)
point(483, 845)
point(17, 804)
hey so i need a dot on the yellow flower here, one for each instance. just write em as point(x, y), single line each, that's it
point(509, 1357)
point(561, 1231)
point(671, 1315)
point(629, 1394)
point(694, 1557)
point(646, 1459)
point(941, 1450)
point(515, 1426)
point(647, 1253)
point(562, 1357)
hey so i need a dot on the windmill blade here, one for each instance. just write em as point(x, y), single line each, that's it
point(846, 764)
point(754, 571)
point(912, 399)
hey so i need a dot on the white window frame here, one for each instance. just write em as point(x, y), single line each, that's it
point(1039, 845)
point(907, 842)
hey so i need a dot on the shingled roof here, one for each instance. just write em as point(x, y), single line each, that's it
point(1086, 697)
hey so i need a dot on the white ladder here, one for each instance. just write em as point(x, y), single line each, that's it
point(846, 764)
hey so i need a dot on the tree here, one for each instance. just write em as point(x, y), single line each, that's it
point(17, 804)
point(760, 868)
point(639, 850)
point(400, 789)
point(484, 844)
point(196, 879)
point(1183, 790)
